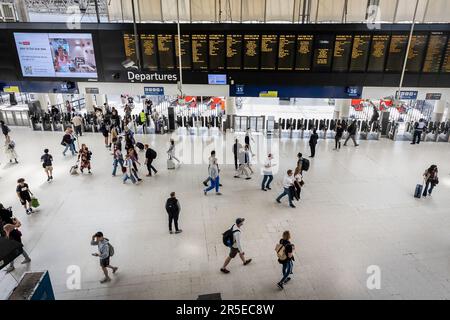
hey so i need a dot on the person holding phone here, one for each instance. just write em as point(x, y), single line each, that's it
point(105, 251)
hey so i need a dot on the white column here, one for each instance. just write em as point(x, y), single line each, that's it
point(344, 107)
point(438, 111)
point(43, 100)
point(337, 110)
point(101, 99)
point(230, 106)
point(89, 102)
point(54, 98)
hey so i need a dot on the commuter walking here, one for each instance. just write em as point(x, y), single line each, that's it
point(212, 158)
point(243, 164)
point(419, 127)
point(150, 155)
point(313, 142)
point(10, 149)
point(171, 151)
point(236, 149)
point(129, 170)
point(12, 233)
point(232, 239)
point(5, 128)
point(24, 194)
point(135, 161)
point(285, 253)
point(84, 157)
point(288, 182)
point(47, 161)
point(298, 184)
point(118, 143)
point(173, 209)
point(300, 161)
point(268, 173)
point(105, 132)
point(117, 159)
point(338, 136)
point(105, 252)
point(214, 177)
point(68, 142)
point(248, 137)
point(77, 122)
point(431, 180)
point(352, 133)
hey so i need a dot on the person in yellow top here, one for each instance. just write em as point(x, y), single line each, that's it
point(143, 117)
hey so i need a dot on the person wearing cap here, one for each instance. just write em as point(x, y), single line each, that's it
point(104, 254)
point(267, 172)
point(236, 247)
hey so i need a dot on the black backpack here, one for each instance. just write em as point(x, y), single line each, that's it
point(228, 238)
point(153, 154)
point(305, 164)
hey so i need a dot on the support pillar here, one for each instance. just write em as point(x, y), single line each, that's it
point(43, 100)
point(230, 105)
point(101, 99)
point(344, 107)
point(337, 110)
point(54, 99)
point(438, 111)
point(89, 102)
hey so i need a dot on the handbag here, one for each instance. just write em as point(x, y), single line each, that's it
point(35, 202)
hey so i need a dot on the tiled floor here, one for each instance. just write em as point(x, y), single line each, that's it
point(357, 210)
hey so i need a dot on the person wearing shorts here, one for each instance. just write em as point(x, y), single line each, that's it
point(236, 247)
point(47, 160)
point(104, 254)
point(24, 194)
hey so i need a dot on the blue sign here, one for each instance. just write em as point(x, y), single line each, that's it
point(282, 91)
point(217, 79)
point(154, 91)
point(239, 89)
point(352, 91)
point(407, 95)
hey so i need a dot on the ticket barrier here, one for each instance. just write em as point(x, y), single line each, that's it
point(444, 132)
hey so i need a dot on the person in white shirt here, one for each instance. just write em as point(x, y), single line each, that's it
point(419, 127)
point(236, 247)
point(77, 122)
point(288, 182)
point(171, 151)
point(267, 172)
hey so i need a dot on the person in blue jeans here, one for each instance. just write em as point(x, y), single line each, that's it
point(214, 178)
point(288, 182)
point(69, 142)
point(129, 174)
point(286, 250)
point(118, 159)
point(267, 172)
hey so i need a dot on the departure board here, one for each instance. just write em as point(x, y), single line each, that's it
point(323, 53)
point(199, 51)
point(130, 46)
point(342, 52)
point(251, 51)
point(286, 48)
point(416, 53)
point(216, 51)
point(148, 45)
point(360, 53)
point(304, 52)
point(269, 43)
point(378, 50)
point(166, 51)
point(186, 53)
point(396, 54)
point(446, 63)
point(435, 51)
point(234, 51)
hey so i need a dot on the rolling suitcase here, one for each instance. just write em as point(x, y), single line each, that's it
point(418, 191)
point(170, 164)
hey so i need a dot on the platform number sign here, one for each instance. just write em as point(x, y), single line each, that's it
point(407, 95)
point(352, 91)
point(239, 89)
point(154, 91)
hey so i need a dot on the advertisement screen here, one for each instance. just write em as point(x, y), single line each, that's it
point(59, 55)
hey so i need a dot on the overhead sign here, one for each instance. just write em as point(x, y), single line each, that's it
point(92, 90)
point(217, 79)
point(353, 91)
point(154, 91)
point(407, 95)
point(11, 89)
point(433, 96)
point(268, 94)
point(151, 77)
point(239, 89)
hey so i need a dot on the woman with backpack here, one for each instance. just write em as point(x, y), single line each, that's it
point(84, 157)
point(285, 253)
point(431, 179)
point(10, 149)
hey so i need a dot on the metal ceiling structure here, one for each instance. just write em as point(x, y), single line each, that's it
point(248, 11)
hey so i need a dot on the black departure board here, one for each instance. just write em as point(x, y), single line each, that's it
point(199, 51)
point(304, 52)
point(378, 50)
point(234, 51)
point(148, 45)
point(446, 63)
point(186, 53)
point(251, 51)
point(416, 53)
point(360, 53)
point(396, 54)
point(323, 53)
point(166, 51)
point(130, 46)
point(286, 55)
point(342, 52)
point(269, 43)
point(435, 51)
point(217, 51)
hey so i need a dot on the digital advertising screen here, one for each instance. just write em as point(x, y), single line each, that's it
point(56, 55)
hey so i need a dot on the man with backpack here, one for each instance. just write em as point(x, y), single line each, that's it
point(150, 155)
point(419, 127)
point(173, 209)
point(232, 239)
point(285, 254)
point(106, 250)
point(351, 133)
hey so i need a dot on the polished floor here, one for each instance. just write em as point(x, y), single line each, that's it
point(357, 211)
